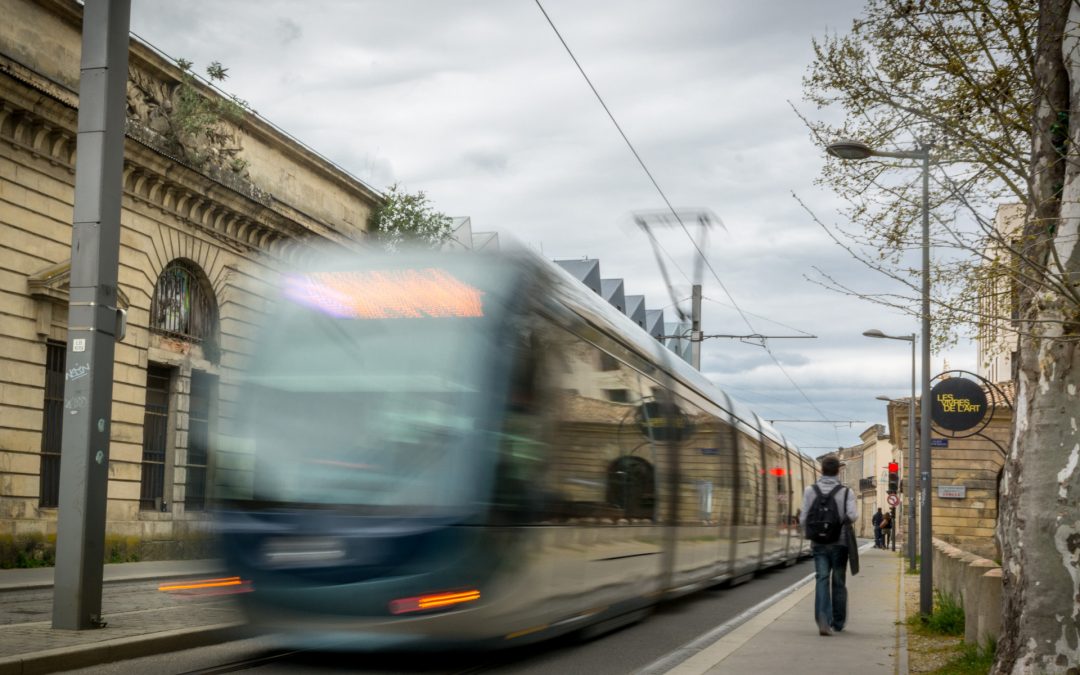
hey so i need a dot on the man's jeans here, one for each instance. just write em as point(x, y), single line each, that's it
point(830, 604)
point(879, 539)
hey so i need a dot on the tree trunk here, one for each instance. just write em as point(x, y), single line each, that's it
point(1039, 506)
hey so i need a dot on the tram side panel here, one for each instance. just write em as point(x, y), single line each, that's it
point(604, 473)
point(748, 536)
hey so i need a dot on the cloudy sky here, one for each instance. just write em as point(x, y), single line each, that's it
point(478, 104)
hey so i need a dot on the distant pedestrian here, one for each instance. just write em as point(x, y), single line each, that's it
point(827, 507)
point(886, 529)
point(879, 542)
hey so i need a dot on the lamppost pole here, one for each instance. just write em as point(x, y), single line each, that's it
point(926, 571)
point(911, 465)
point(855, 150)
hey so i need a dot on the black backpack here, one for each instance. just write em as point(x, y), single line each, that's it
point(823, 522)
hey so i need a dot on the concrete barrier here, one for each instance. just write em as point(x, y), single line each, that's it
point(990, 587)
point(973, 601)
point(975, 583)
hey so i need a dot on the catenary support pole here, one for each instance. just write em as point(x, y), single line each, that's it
point(92, 316)
point(695, 327)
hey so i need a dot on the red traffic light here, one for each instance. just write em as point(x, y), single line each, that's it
point(894, 467)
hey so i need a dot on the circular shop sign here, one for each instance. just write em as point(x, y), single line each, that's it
point(957, 404)
point(894, 500)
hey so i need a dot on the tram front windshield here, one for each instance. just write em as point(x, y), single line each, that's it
point(371, 389)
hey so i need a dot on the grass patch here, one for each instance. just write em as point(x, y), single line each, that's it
point(971, 660)
point(122, 549)
point(946, 619)
point(918, 563)
point(35, 549)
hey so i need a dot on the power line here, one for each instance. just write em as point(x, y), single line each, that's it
point(671, 208)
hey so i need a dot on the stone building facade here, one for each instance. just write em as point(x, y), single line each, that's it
point(968, 469)
point(207, 220)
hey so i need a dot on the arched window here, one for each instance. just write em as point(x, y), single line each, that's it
point(183, 304)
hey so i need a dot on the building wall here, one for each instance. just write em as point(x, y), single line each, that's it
point(975, 463)
point(997, 338)
point(236, 228)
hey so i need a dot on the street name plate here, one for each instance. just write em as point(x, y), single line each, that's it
point(952, 491)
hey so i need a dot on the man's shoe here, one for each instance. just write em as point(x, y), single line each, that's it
point(824, 629)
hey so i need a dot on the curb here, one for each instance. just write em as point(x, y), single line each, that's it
point(140, 576)
point(118, 649)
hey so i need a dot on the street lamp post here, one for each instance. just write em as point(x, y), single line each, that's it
point(856, 150)
point(875, 333)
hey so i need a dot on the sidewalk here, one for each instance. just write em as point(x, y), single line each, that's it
point(783, 637)
point(158, 623)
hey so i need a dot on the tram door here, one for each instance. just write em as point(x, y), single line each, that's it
point(704, 504)
point(778, 515)
point(750, 512)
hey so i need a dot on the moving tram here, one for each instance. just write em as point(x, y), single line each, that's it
point(447, 450)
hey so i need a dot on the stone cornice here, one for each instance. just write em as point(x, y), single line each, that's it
point(145, 57)
point(246, 221)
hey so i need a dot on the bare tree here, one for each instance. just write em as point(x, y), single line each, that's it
point(955, 75)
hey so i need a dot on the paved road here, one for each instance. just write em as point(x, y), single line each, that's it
point(626, 651)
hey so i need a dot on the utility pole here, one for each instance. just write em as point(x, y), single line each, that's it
point(94, 321)
point(695, 327)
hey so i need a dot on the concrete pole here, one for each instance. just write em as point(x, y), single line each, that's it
point(92, 316)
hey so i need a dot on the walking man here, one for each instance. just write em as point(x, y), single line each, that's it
point(829, 506)
point(876, 522)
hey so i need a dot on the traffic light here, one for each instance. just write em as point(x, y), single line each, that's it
point(894, 477)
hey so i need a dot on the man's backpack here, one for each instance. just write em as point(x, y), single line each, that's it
point(823, 522)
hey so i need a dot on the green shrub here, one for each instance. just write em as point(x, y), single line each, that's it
point(946, 619)
point(948, 616)
point(32, 549)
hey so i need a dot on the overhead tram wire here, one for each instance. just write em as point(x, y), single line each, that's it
point(671, 208)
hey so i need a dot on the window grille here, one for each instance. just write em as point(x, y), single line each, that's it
point(203, 386)
point(183, 305)
point(52, 424)
point(155, 436)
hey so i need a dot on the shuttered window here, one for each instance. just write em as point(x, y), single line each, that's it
point(52, 424)
point(155, 437)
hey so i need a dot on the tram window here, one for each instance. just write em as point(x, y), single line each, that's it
point(593, 429)
point(777, 492)
point(632, 486)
